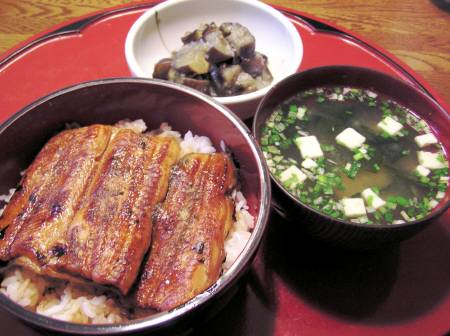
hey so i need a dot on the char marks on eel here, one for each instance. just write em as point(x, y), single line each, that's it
point(190, 227)
point(95, 223)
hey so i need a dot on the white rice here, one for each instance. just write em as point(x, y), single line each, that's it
point(240, 232)
point(138, 125)
point(68, 306)
point(6, 198)
point(61, 300)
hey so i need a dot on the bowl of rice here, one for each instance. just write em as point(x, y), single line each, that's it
point(201, 125)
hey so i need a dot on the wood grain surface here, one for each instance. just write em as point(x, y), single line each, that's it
point(416, 31)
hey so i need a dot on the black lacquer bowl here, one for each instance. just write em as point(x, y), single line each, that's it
point(336, 231)
point(111, 100)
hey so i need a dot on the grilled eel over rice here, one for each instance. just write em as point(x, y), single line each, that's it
point(190, 228)
point(83, 208)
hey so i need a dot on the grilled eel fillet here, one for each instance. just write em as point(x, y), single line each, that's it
point(189, 231)
point(83, 211)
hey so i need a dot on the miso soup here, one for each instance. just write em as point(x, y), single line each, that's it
point(355, 155)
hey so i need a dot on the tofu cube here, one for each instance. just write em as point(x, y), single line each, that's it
point(390, 126)
point(293, 174)
point(425, 140)
point(350, 138)
point(422, 171)
point(309, 164)
point(372, 199)
point(353, 207)
point(309, 147)
point(431, 160)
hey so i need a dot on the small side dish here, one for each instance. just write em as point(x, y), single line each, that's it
point(355, 155)
point(217, 60)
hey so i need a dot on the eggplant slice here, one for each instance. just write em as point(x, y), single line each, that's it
point(217, 60)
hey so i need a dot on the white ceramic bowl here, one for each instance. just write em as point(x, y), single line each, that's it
point(158, 32)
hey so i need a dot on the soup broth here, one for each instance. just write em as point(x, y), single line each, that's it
point(355, 155)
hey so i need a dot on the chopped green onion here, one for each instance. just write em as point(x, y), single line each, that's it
point(278, 158)
point(386, 112)
point(424, 179)
point(403, 132)
point(320, 99)
point(274, 138)
point(354, 169)
point(358, 156)
point(388, 216)
point(385, 135)
point(327, 148)
point(285, 144)
point(280, 127)
point(273, 150)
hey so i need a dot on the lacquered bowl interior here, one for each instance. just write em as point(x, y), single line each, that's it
point(348, 233)
point(106, 102)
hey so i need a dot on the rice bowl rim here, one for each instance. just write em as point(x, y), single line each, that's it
point(162, 319)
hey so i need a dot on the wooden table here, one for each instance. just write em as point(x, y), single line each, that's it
point(416, 31)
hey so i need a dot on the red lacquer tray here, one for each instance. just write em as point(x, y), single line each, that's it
point(296, 286)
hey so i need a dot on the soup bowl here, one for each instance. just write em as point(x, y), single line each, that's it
point(157, 33)
point(111, 100)
point(316, 222)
